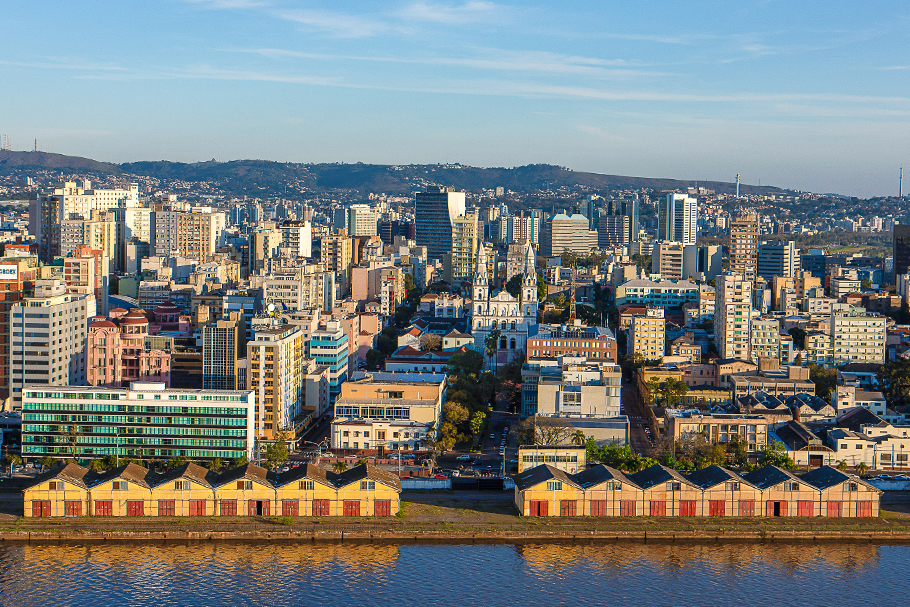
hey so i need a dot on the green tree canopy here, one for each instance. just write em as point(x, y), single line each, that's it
point(513, 287)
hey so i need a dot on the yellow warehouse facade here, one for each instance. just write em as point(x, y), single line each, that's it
point(192, 490)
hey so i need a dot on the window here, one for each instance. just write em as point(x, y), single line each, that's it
point(732, 486)
point(674, 486)
point(793, 486)
point(181, 485)
point(55, 486)
point(367, 485)
point(554, 486)
point(306, 485)
point(120, 485)
point(852, 487)
point(245, 485)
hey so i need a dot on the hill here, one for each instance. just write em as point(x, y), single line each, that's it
point(266, 177)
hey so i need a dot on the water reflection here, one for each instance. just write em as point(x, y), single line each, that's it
point(216, 573)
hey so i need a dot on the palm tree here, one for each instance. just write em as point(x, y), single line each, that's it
point(361, 461)
point(491, 346)
point(579, 438)
point(862, 468)
point(842, 465)
point(339, 467)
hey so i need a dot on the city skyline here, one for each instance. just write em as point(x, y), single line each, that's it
point(808, 97)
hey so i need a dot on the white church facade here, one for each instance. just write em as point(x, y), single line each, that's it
point(513, 316)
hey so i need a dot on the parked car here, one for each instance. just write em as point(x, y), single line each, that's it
point(409, 456)
point(502, 451)
point(492, 437)
point(440, 475)
point(463, 458)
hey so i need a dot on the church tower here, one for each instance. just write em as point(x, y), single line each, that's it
point(481, 281)
point(529, 285)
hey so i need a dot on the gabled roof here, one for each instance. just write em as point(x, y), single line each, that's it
point(248, 472)
point(304, 471)
point(599, 474)
point(540, 474)
point(130, 472)
point(365, 471)
point(826, 477)
point(655, 475)
point(713, 476)
point(796, 435)
point(189, 471)
point(73, 473)
point(769, 476)
point(855, 419)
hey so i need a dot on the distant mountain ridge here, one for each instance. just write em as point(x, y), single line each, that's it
point(266, 177)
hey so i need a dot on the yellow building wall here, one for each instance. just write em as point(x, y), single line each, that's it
point(292, 491)
point(553, 498)
point(70, 492)
point(613, 498)
point(118, 498)
point(672, 498)
point(182, 498)
point(367, 498)
point(732, 499)
point(258, 492)
point(777, 493)
point(839, 493)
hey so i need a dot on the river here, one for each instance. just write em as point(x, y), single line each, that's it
point(420, 575)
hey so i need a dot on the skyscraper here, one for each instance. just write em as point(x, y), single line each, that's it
point(677, 218)
point(901, 249)
point(434, 215)
point(778, 258)
point(744, 233)
point(732, 316)
point(223, 342)
point(459, 262)
point(631, 211)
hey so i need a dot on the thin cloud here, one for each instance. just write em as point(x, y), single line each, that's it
point(64, 64)
point(469, 12)
point(229, 4)
point(341, 25)
point(895, 67)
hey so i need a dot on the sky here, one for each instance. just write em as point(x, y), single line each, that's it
point(799, 94)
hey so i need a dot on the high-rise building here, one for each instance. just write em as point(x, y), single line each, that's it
point(646, 336)
point(667, 260)
point(48, 344)
point(336, 254)
point(459, 263)
point(362, 220)
point(276, 375)
point(631, 211)
point(856, 336)
point(744, 232)
point(148, 420)
point(563, 233)
point(297, 238)
point(86, 271)
point(764, 339)
point(677, 218)
point(434, 216)
point(732, 316)
point(778, 258)
point(521, 227)
point(196, 235)
point(67, 201)
point(329, 347)
point(17, 276)
point(901, 246)
point(612, 230)
point(223, 344)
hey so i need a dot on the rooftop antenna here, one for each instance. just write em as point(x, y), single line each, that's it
point(737, 185)
point(900, 187)
point(36, 144)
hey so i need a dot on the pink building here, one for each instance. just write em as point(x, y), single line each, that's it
point(117, 353)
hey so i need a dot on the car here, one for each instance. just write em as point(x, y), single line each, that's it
point(902, 477)
point(477, 462)
point(463, 458)
point(440, 475)
point(492, 437)
point(502, 451)
point(408, 456)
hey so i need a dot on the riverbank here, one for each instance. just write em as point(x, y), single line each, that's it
point(463, 516)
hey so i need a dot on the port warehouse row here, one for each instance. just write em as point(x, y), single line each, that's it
point(191, 490)
point(713, 491)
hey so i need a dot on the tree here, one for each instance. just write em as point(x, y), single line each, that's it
point(568, 259)
point(374, 359)
point(579, 438)
point(737, 451)
point(513, 287)
point(775, 454)
point(825, 380)
point(46, 462)
point(799, 338)
point(477, 422)
point(216, 465)
point(842, 465)
point(72, 439)
point(491, 347)
point(894, 382)
point(11, 460)
point(798, 361)
point(239, 461)
point(537, 430)
point(339, 467)
point(430, 341)
point(653, 387)
point(862, 468)
point(542, 290)
point(387, 342)
point(108, 462)
point(276, 454)
point(466, 364)
point(175, 462)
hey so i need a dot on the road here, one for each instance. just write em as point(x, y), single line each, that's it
point(635, 409)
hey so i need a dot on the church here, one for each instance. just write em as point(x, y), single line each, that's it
point(514, 317)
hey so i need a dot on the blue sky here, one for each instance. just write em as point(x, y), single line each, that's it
point(811, 95)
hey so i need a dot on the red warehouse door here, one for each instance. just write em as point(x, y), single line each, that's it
point(567, 507)
point(104, 508)
point(747, 508)
point(599, 508)
point(41, 508)
point(382, 507)
point(352, 507)
point(320, 507)
point(717, 508)
point(687, 508)
point(864, 508)
point(805, 508)
point(135, 508)
point(538, 508)
point(197, 507)
point(228, 507)
point(627, 508)
point(290, 507)
point(658, 507)
point(72, 508)
point(835, 509)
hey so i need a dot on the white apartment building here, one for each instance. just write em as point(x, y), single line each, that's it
point(362, 220)
point(677, 218)
point(48, 335)
point(459, 264)
point(857, 336)
point(647, 335)
point(732, 316)
point(297, 288)
point(297, 238)
point(276, 373)
point(764, 338)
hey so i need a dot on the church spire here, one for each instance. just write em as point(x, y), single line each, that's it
point(480, 269)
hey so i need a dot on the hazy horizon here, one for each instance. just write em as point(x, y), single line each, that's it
point(812, 96)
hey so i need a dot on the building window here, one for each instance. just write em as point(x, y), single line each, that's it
point(674, 486)
point(182, 485)
point(367, 485)
point(245, 485)
point(554, 486)
point(306, 485)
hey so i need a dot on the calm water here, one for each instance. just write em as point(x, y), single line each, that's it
point(463, 575)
